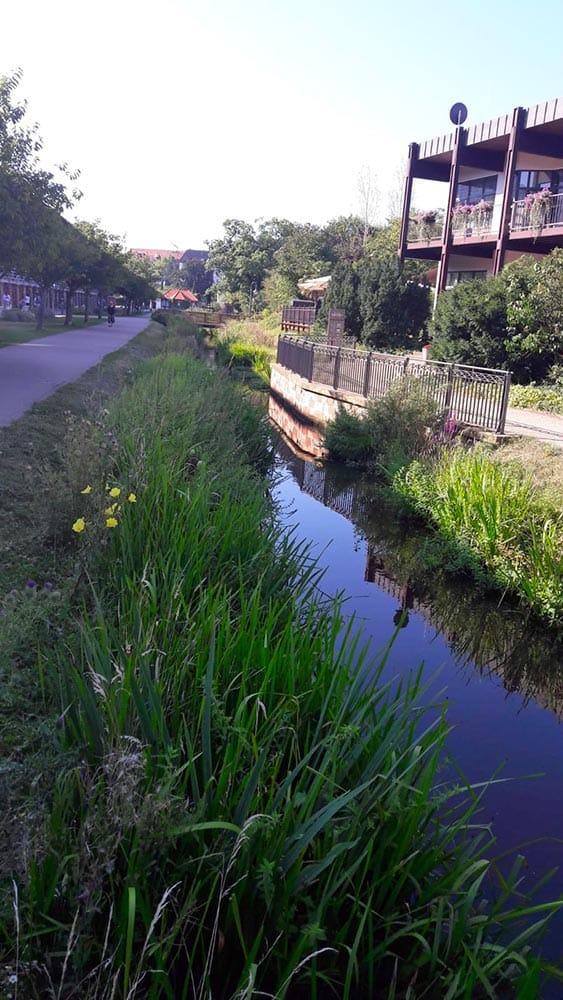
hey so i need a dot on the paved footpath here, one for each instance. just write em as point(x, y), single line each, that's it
point(535, 423)
point(30, 372)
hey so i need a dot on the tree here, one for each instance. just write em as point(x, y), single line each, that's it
point(343, 293)
point(304, 253)
point(368, 199)
point(25, 187)
point(241, 261)
point(345, 238)
point(534, 314)
point(470, 324)
point(105, 264)
point(394, 310)
point(197, 278)
point(135, 280)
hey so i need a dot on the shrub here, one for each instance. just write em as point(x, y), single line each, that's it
point(470, 325)
point(161, 316)
point(394, 310)
point(395, 429)
point(347, 438)
point(538, 397)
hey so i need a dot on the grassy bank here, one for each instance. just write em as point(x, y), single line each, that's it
point(45, 457)
point(508, 529)
point(235, 813)
point(21, 332)
point(249, 347)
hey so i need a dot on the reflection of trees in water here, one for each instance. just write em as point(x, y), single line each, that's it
point(481, 631)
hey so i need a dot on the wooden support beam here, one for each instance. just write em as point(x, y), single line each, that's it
point(518, 119)
point(459, 143)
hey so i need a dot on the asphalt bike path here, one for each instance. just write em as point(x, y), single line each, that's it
point(538, 424)
point(33, 371)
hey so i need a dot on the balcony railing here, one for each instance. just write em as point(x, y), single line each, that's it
point(541, 216)
point(424, 232)
point(473, 223)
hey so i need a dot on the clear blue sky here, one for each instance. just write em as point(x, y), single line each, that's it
point(181, 114)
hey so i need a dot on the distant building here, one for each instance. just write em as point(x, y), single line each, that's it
point(157, 254)
point(504, 182)
point(199, 255)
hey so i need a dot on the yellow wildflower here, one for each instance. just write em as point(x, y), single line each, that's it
point(79, 525)
point(87, 490)
point(111, 522)
point(115, 491)
point(111, 510)
point(132, 498)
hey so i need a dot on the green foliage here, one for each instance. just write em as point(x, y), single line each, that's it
point(31, 198)
point(534, 290)
point(347, 438)
point(242, 258)
point(161, 316)
point(514, 320)
point(537, 397)
point(237, 776)
point(396, 428)
point(303, 253)
point(494, 512)
point(277, 291)
point(343, 293)
point(394, 309)
point(470, 324)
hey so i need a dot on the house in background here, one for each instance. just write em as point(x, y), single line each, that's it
point(157, 254)
point(503, 183)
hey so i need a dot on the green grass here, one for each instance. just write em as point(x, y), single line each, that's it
point(20, 333)
point(494, 511)
point(238, 814)
point(248, 349)
point(46, 459)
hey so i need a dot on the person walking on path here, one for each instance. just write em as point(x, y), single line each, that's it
point(111, 310)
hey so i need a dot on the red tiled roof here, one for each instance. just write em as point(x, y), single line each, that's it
point(179, 295)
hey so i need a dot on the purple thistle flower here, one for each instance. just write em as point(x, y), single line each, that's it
point(31, 584)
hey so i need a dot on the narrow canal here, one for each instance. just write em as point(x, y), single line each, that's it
point(501, 674)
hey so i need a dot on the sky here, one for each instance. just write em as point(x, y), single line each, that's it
point(180, 115)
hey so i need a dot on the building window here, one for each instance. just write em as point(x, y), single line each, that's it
point(528, 181)
point(481, 189)
point(454, 277)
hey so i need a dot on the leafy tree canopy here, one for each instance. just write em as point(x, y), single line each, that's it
point(394, 309)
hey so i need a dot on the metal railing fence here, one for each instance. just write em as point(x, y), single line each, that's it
point(474, 396)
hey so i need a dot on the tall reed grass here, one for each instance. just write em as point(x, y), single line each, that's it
point(497, 514)
point(255, 812)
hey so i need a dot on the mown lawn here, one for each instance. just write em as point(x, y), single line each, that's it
point(21, 333)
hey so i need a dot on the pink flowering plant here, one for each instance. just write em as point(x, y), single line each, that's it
point(482, 207)
point(538, 199)
point(536, 208)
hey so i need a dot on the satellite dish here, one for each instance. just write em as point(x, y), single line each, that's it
point(458, 113)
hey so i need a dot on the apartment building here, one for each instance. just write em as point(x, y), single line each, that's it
point(503, 194)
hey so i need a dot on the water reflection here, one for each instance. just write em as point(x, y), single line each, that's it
point(498, 671)
point(483, 633)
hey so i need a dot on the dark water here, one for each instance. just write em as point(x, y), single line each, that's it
point(501, 673)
